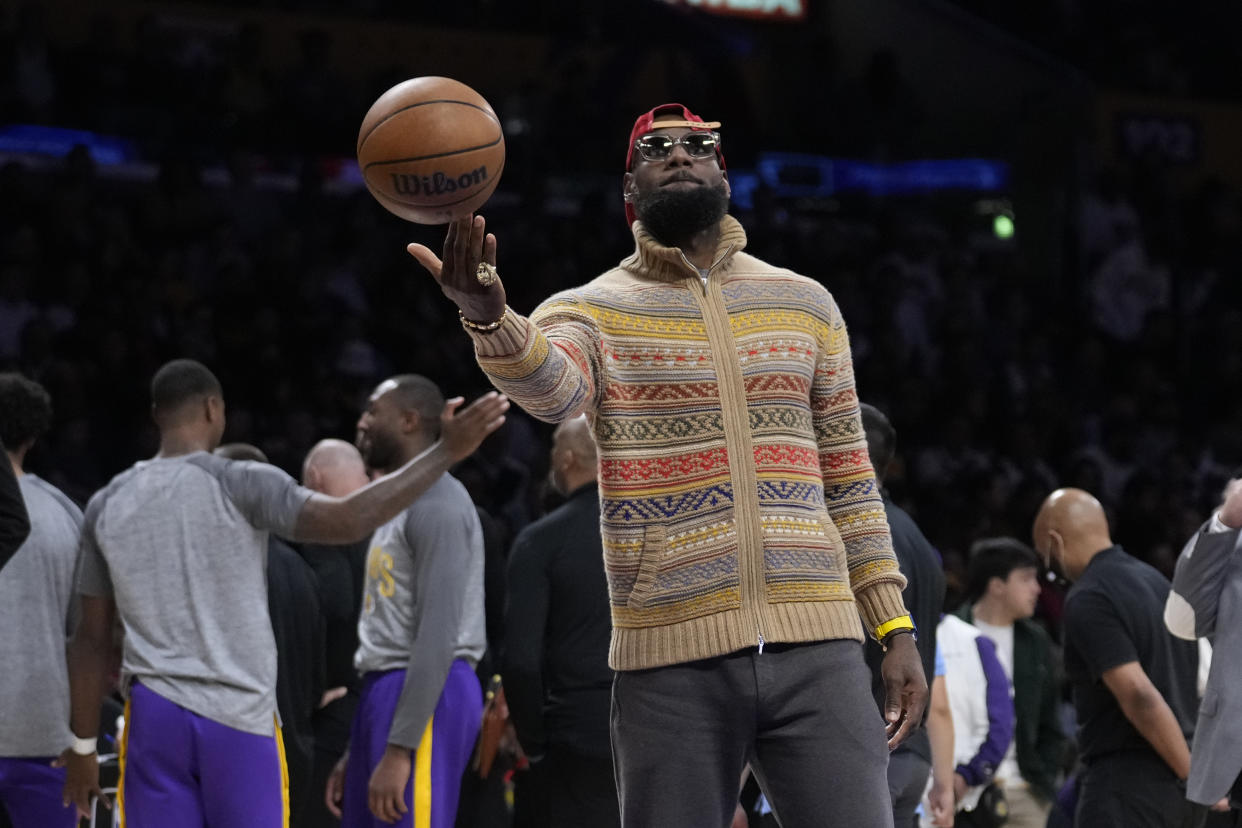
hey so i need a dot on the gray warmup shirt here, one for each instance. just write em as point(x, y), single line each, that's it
point(422, 606)
point(181, 543)
point(36, 592)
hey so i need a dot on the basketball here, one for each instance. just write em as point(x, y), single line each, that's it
point(431, 150)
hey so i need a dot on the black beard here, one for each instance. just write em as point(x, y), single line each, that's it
point(674, 215)
point(380, 452)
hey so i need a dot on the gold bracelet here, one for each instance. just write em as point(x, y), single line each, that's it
point(483, 327)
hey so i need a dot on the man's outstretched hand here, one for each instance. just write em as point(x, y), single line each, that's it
point(465, 246)
point(463, 432)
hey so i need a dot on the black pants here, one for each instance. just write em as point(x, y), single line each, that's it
point(582, 790)
point(802, 715)
point(331, 726)
point(1134, 789)
point(907, 779)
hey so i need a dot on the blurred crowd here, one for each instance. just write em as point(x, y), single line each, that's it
point(1118, 375)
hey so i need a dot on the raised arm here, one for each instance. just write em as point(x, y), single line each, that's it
point(325, 519)
point(550, 363)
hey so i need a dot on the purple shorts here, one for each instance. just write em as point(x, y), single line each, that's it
point(181, 770)
point(32, 791)
point(435, 781)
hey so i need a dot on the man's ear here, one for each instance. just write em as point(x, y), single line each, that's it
point(410, 421)
point(629, 190)
point(724, 176)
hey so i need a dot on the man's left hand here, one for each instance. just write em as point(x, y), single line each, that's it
point(81, 780)
point(905, 689)
point(386, 790)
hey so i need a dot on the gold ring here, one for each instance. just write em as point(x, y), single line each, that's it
point(486, 274)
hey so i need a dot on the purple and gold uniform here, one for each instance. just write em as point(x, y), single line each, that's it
point(420, 634)
point(180, 544)
point(36, 588)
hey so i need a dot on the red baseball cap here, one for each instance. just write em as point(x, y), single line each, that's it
point(668, 115)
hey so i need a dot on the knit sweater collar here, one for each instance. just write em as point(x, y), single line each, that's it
point(652, 259)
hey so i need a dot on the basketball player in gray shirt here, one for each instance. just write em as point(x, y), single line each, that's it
point(36, 589)
point(176, 546)
point(421, 633)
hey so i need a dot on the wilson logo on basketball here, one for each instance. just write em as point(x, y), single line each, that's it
point(437, 183)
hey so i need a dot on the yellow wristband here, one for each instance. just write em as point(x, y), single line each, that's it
point(901, 622)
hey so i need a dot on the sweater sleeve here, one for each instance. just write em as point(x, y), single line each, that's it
point(550, 363)
point(852, 495)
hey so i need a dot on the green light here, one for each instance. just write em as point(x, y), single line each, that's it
point(1002, 226)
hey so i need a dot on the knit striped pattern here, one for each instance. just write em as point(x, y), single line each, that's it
point(738, 498)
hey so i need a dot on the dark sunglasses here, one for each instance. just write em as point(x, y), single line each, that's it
point(656, 147)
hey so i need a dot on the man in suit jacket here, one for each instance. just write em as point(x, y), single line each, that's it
point(1206, 601)
point(557, 627)
point(911, 762)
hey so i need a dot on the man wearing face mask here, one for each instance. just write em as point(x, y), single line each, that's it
point(556, 674)
point(1133, 682)
point(746, 548)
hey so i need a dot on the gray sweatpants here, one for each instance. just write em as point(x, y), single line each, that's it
point(801, 715)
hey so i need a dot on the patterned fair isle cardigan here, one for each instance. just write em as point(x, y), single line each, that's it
point(739, 505)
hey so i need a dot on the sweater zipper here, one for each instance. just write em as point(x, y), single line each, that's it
point(750, 577)
point(711, 267)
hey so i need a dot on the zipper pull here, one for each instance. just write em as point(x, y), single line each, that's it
point(760, 641)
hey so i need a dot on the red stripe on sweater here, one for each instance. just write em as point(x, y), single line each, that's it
point(680, 467)
point(786, 456)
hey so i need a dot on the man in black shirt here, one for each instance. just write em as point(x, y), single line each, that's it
point(910, 764)
point(557, 628)
point(1134, 684)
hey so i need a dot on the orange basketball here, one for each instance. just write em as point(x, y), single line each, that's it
point(431, 150)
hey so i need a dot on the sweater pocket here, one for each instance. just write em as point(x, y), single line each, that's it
point(804, 560)
point(680, 576)
point(654, 542)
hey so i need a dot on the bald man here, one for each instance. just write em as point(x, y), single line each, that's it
point(557, 626)
point(1133, 682)
point(335, 468)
